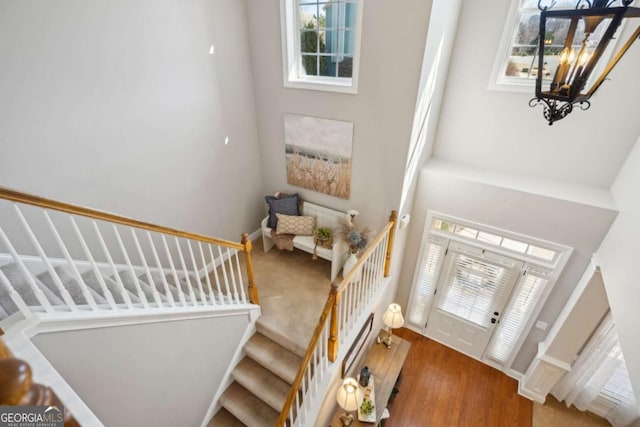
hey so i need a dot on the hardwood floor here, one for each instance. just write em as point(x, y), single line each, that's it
point(444, 388)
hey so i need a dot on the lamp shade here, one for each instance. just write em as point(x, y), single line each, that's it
point(393, 316)
point(348, 394)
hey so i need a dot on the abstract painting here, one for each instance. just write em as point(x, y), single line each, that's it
point(318, 154)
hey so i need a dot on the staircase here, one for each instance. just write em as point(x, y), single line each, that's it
point(260, 385)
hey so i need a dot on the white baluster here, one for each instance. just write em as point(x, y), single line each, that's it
point(206, 274)
point(174, 273)
point(239, 270)
point(136, 282)
point(233, 279)
point(94, 266)
point(72, 265)
point(64, 293)
point(215, 273)
point(224, 274)
point(196, 271)
point(154, 290)
point(123, 291)
point(186, 273)
point(15, 296)
point(156, 258)
point(42, 299)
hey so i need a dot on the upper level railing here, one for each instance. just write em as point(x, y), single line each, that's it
point(344, 312)
point(57, 257)
point(18, 389)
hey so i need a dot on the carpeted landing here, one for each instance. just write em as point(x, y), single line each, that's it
point(293, 289)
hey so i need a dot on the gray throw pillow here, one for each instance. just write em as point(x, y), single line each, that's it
point(287, 205)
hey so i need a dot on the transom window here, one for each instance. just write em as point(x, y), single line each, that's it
point(320, 41)
point(539, 251)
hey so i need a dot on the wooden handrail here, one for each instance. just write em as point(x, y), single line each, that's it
point(315, 338)
point(330, 311)
point(30, 199)
point(393, 218)
point(18, 389)
point(253, 289)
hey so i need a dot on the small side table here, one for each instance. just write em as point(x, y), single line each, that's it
point(385, 365)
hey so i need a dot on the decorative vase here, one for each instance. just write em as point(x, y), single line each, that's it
point(365, 374)
point(348, 266)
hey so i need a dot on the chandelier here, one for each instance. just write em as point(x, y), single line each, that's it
point(571, 60)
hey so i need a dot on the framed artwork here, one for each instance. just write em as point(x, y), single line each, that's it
point(357, 345)
point(318, 154)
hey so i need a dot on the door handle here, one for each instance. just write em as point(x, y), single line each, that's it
point(495, 313)
point(493, 320)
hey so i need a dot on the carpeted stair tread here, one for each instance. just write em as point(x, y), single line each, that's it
point(129, 282)
point(157, 280)
point(261, 382)
point(247, 408)
point(91, 280)
point(70, 283)
point(274, 357)
point(20, 284)
point(279, 335)
point(224, 418)
point(182, 284)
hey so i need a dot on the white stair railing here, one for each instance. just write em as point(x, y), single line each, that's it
point(63, 258)
point(343, 315)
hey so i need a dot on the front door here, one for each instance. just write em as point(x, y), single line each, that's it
point(473, 290)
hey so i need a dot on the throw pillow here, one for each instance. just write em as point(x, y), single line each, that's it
point(287, 205)
point(299, 225)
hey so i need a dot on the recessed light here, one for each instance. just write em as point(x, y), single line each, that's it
point(212, 50)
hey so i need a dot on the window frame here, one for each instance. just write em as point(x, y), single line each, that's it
point(550, 270)
point(499, 82)
point(292, 55)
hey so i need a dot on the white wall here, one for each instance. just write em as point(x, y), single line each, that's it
point(618, 259)
point(474, 197)
point(160, 374)
point(499, 131)
point(118, 105)
point(393, 41)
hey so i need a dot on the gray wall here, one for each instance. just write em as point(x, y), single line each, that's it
point(577, 225)
point(393, 41)
point(618, 259)
point(118, 105)
point(156, 374)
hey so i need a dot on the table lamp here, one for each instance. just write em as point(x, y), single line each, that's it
point(392, 318)
point(348, 397)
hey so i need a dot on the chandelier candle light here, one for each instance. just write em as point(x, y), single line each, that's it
point(393, 319)
point(575, 40)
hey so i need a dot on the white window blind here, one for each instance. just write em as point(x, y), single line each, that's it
point(474, 288)
point(432, 255)
point(525, 298)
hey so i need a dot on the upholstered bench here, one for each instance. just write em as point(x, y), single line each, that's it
point(325, 217)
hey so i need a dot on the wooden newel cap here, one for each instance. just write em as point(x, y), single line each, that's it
point(15, 380)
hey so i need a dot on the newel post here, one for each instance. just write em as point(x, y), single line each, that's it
point(392, 233)
point(333, 344)
point(253, 289)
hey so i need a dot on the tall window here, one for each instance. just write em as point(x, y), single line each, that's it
point(320, 42)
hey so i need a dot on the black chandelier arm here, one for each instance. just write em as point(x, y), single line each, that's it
point(554, 110)
point(543, 8)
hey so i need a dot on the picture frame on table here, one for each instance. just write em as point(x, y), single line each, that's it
point(357, 345)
